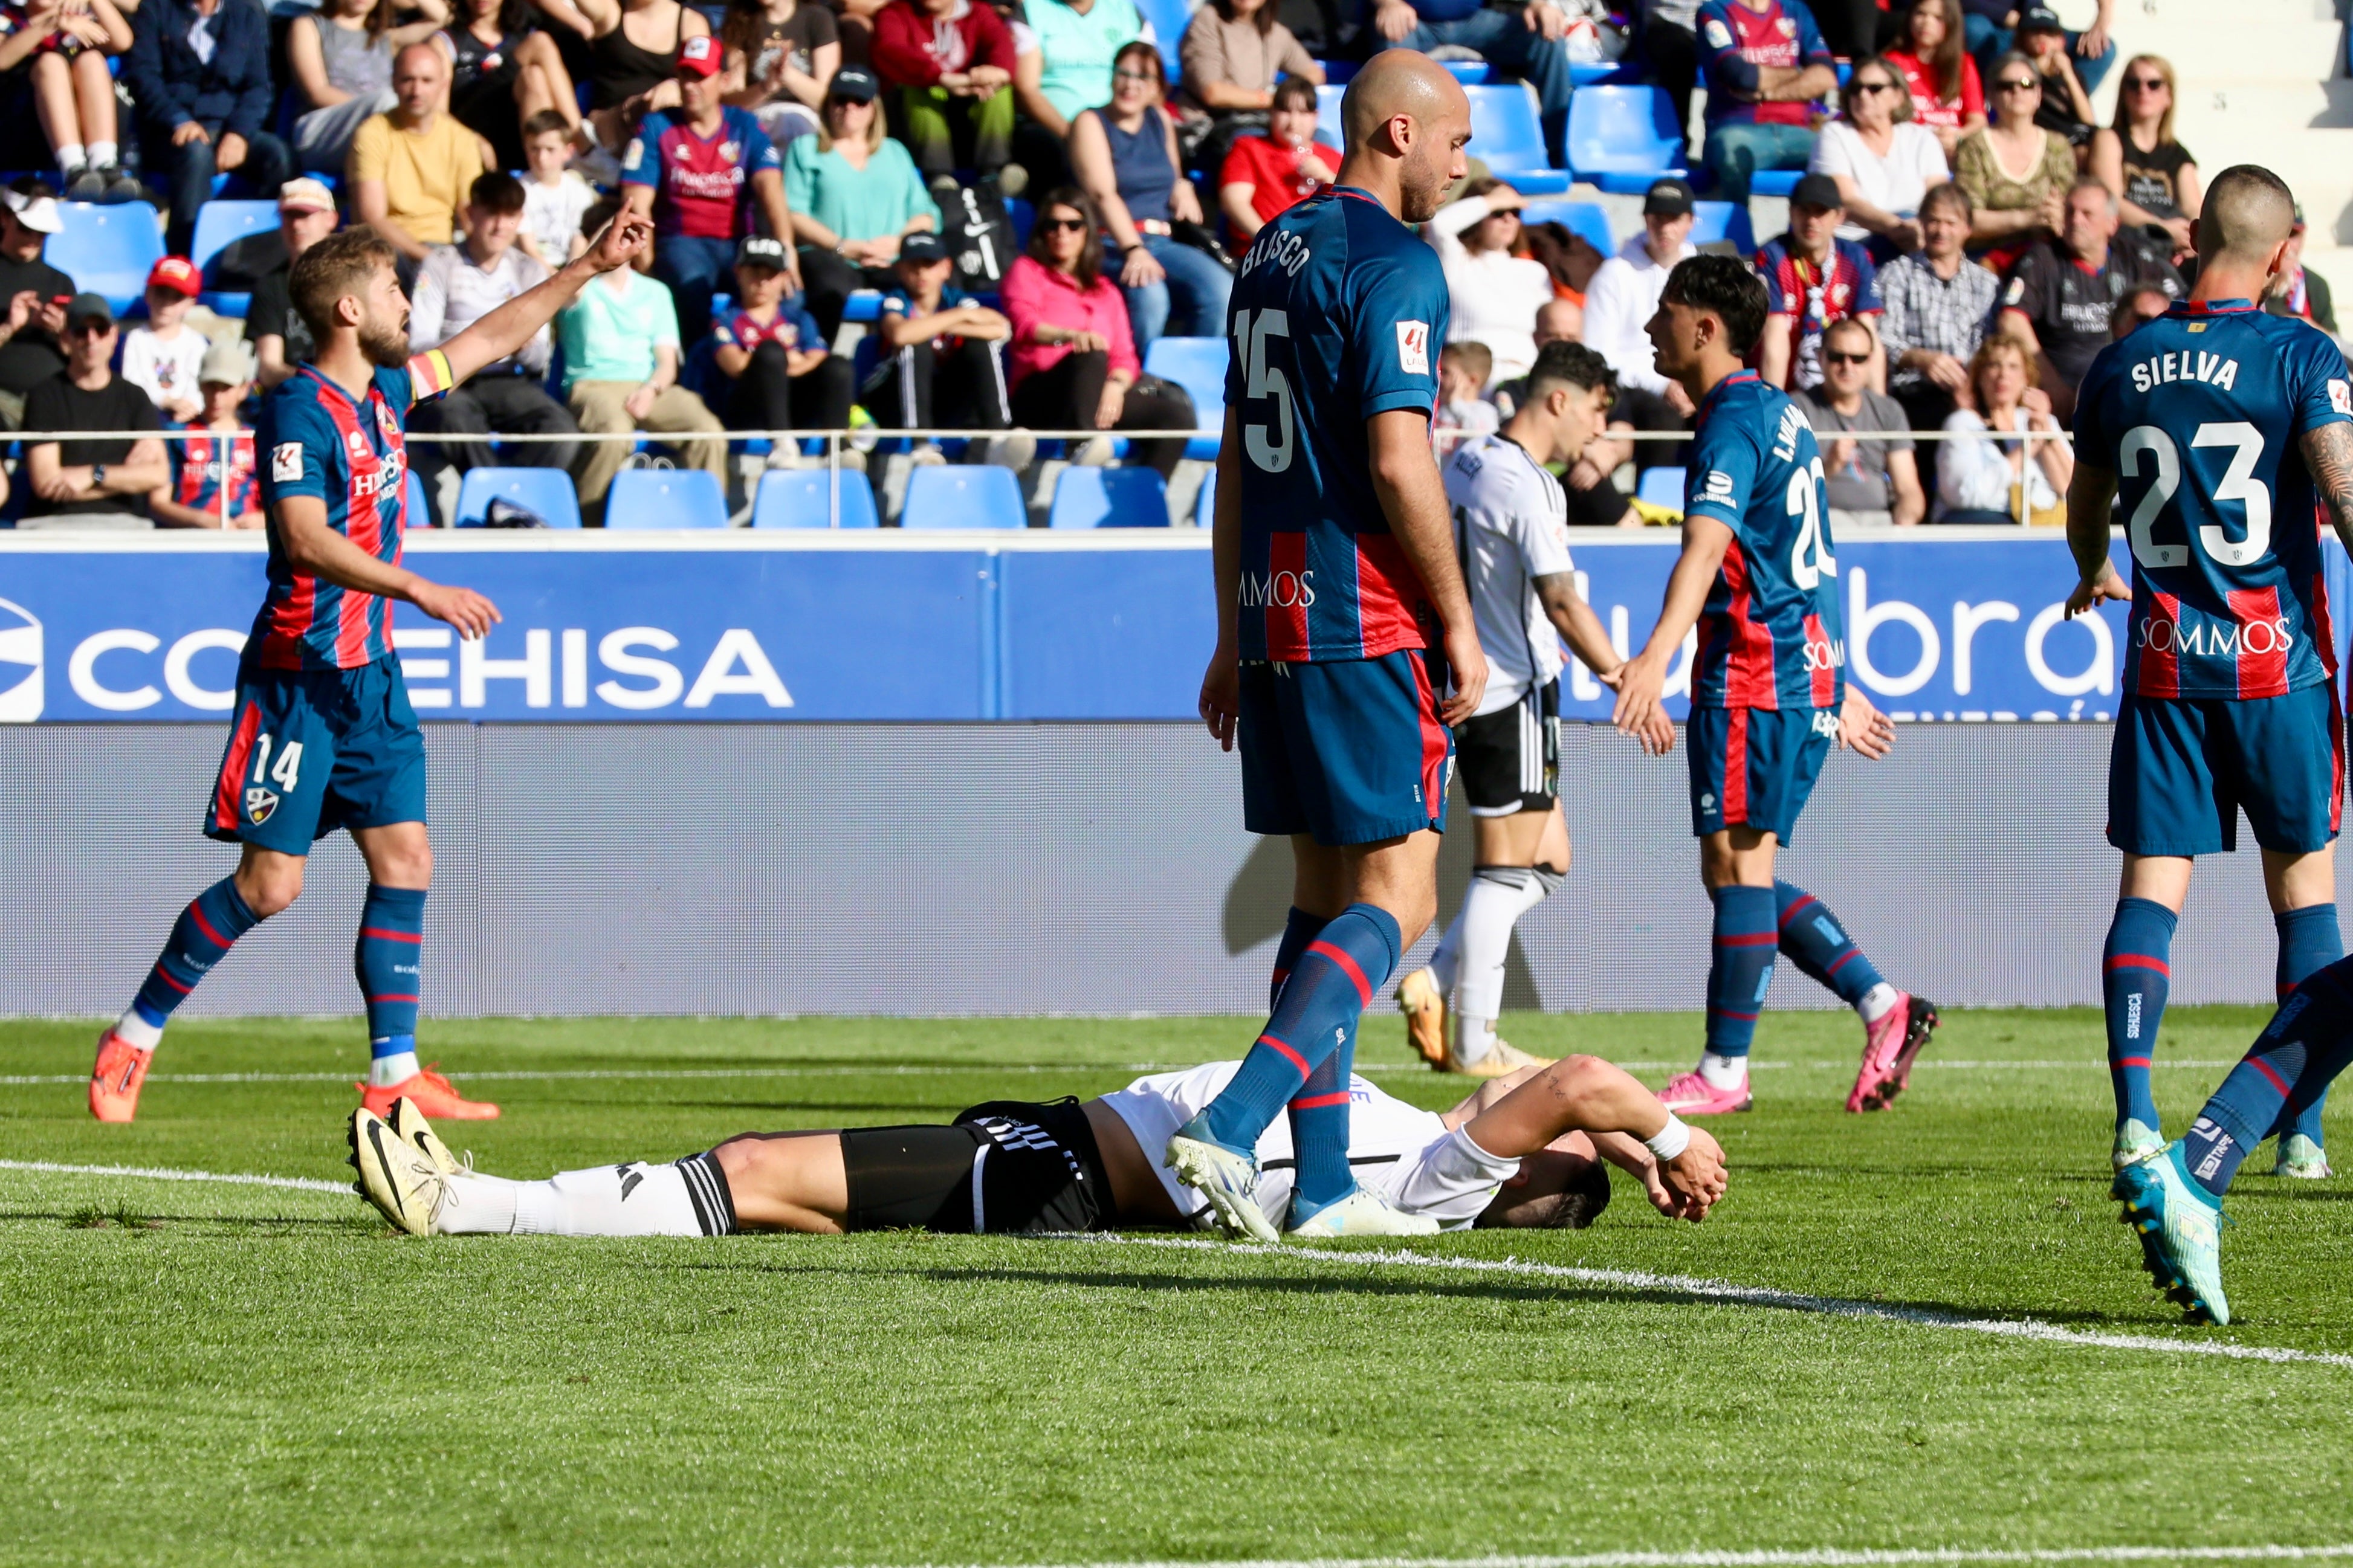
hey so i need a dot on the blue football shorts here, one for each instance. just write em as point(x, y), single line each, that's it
point(311, 750)
point(2182, 768)
point(1351, 753)
point(1755, 766)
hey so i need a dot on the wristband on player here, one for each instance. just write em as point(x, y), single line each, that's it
point(1671, 1140)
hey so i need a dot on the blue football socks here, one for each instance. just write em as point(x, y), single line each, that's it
point(1300, 929)
point(2309, 942)
point(2286, 1072)
point(392, 937)
point(2136, 972)
point(1819, 945)
point(201, 938)
point(1335, 978)
point(1740, 966)
point(1319, 1129)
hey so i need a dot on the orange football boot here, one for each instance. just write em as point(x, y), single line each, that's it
point(115, 1077)
point(432, 1094)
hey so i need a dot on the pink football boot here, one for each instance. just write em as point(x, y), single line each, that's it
point(1692, 1095)
point(1889, 1048)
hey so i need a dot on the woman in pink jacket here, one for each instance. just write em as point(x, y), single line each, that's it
point(1074, 364)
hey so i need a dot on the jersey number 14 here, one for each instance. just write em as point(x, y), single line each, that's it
point(2239, 484)
point(1263, 383)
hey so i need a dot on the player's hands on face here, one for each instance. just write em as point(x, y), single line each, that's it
point(472, 614)
point(1696, 1177)
point(1863, 728)
point(1222, 695)
point(2090, 594)
point(1468, 662)
point(1138, 269)
point(1395, 20)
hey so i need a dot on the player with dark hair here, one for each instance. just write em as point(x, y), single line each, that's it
point(1511, 534)
point(323, 736)
point(1522, 1152)
point(1336, 581)
point(2220, 432)
point(1757, 579)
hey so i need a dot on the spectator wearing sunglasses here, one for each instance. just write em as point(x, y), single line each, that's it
point(1126, 156)
point(2016, 173)
point(1812, 277)
point(1992, 29)
point(1492, 295)
point(2154, 176)
point(2066, 105)
point(101, 483)
point(1881, 161)
point(1866, 479)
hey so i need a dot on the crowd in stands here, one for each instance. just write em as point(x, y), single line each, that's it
point(1961, 237)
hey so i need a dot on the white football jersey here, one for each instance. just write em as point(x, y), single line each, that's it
point(1511, 527)
point(1394, 1148)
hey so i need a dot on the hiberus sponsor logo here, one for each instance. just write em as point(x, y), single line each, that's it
point(1279, 590)
point(2215, 639)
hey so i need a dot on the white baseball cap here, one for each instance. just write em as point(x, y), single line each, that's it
point(38, 214)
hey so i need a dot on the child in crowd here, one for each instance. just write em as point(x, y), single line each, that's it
point(771, 349)
point(204, 465)
point(163, 358)
point(555, 197)
point(1462, 370)
point(73, 92)
point(941, 365)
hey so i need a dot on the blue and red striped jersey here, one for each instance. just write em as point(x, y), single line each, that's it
point(2197, 414)
point(1338, 312)
point(208, 462)
point(1770, 634)
point(702, 186)
point(352, 455)
point(1848, 285)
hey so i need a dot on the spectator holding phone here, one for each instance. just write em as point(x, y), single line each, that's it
point(62, 48)
point(33, 296)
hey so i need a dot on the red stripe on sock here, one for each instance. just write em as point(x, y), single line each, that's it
point(1319, 1101)
point(2265, 1068)
point(383, 935)
point(1791, 913)
point(196, 913)
point(1347, 966)
point(1722, 1013)
point(1745, 939)
point(1293, 1056)
point(2130, 1062)
point(2136, 961)
point(371, 1000)
point(166, 975)
point(1852, 954)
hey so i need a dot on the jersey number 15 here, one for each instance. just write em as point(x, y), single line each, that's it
point(1262, 382)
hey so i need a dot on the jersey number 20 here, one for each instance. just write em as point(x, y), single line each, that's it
point(2239, 484)
point(1260, 381)
point(1806, 506)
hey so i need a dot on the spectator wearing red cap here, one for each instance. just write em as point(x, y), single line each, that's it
point(700, 171)
point(162, 358)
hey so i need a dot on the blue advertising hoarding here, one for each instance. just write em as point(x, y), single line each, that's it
point(1961, 625)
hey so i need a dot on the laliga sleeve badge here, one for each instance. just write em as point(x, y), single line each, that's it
point(2339, 398)
point(1413, 347)
point(259, 804)
point(286, 461)
point(2016, 291)
point(1719, 37)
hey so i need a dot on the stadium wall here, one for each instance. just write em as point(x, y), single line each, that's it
point(951, 869)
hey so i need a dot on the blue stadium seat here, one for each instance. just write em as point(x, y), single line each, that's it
point(864, 305)
point(107, 250)
point(1712, 221)
point(220, 225)
point(550, 492)
point(980, 495)
point(1022, 216)
point(1204, 505)
point(665, 498)
point(1199, 366)
point(1594, 73)
point(1470, 73)
point(1622, 138)
point(1662, 487)
point(803, 498)
point(1109, 498)
point(1774, 181)
point(1327, 112)
point(420, 514)
point(1507, 137)
point(1169, 18)
point(1580, 217)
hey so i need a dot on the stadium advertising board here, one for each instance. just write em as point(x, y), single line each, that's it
point(763, 627)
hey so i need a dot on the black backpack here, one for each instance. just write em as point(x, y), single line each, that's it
point(979, 235)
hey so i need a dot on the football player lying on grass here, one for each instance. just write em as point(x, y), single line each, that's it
point(1521, 1151)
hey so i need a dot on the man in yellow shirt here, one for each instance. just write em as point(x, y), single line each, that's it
point(412, 166)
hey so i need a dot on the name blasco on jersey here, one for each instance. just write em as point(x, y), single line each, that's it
point(2187, 365)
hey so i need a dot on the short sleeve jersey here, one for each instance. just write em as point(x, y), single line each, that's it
point(1337, 313)
point(1817, 296)
point(1770, 636)
point(2198, 414)
point(206, 464)
point(1783, 36)
point(352, 455)
point(702, 186)
point(794, 328)
point(2070, 304)
point(1511, 527)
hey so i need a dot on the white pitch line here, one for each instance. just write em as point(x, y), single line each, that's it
point(1802, 1557)
point(163, 1174)
point(1756, 1295)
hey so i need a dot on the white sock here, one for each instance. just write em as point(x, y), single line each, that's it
point(1723, 1072)
point(103, 154)
point(1447, 962)
point(69, 157)
point(398, 1068)
point(137, 1030)
point(636, 1199)
point(1498, 896)
point(1878, 1002)
point(476, 1205)
point(1474, 1039)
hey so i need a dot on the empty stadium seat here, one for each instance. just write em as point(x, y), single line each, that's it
point(420, 514)
point(1205, 504)
point(863, 305)
point(1109, 498)
point(1470, 73)
point(803, 498)
point(549, 492)
point(107, 250)
point(1506, 136)
point(1169, 19)
point(1712, 221)
point(1580, 217)
point(1623, 138)
point(665, 498)
point(1662, 487)
point(981, 495)
point(1199, 366)
point(1774, 181)
point(220, 225)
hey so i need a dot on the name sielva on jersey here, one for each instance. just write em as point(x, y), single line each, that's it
point(2214, 370)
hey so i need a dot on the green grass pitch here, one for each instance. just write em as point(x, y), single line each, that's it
point(200, 1373)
